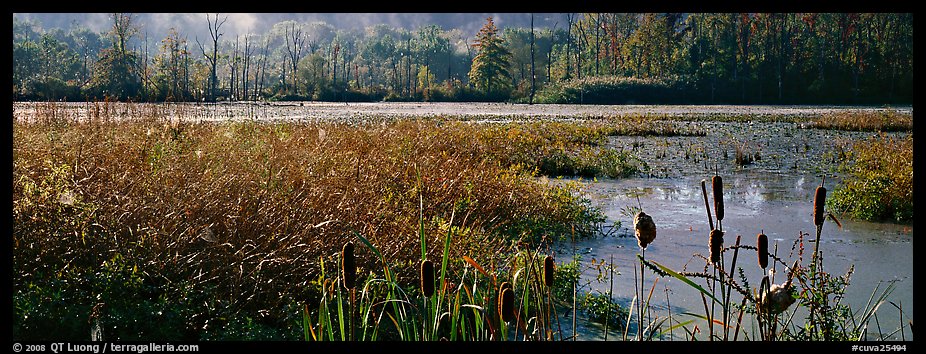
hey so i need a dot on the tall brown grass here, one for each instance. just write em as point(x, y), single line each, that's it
point(274, 199)
point(868, 120)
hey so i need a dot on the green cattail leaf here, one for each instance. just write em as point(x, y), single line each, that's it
point(684, 279)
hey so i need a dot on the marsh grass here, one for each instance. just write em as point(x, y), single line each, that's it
point(879, 182)
point(243, 213)
point(876, 121)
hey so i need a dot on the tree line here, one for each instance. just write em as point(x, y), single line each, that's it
point(732, 58)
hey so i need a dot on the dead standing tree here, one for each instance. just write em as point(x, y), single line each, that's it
point(295, 43)
point(213, 59)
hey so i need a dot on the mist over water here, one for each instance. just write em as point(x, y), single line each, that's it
point(156, 25)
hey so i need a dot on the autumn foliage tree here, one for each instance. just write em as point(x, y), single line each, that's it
point(489, 72)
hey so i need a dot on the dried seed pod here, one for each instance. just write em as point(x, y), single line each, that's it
point(348, 265)
point(644, 229)
point(717, 188)
point(427, 278)
point(716, 244)
point(506, 304)
point(819, 200)
point(777, 299)
point(762, 246)
point(548, 269)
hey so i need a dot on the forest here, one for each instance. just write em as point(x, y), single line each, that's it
point(589, 58)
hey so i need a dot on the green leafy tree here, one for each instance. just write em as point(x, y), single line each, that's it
point(172, 77)
point(489, 72)
point(116, 74)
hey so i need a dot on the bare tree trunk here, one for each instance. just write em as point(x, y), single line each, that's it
point(213, 59)
point(597, 42)
point(569, 18)
point(533, 75)
point(550, 53)
point(295, 42)
point(247, 65)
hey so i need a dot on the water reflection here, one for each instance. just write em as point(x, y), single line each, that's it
point(779, 205)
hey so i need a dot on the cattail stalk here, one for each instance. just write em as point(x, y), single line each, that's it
point(710, 221)
point(427, 289)
point(349, 273)
point(726, 303)
point(716, 247)
point(819, 200)
point(645, 230)
point(717, 188)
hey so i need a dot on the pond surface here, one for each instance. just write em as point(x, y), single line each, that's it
point(773, 194)
point(352, 112)
point(781, 206)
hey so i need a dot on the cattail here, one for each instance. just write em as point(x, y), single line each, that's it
point(427, 278)
point(716, 244)
point(819, 200)
point(506, 303)
point(777, 299)
point(548, 268)
point(348, 265)
point(717, 187)
point(644, 228)
point(762, 245)
point(503, 286)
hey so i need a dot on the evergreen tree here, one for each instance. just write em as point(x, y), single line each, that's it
point(489, 72)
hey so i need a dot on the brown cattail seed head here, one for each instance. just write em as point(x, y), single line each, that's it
point(506, 304)
point(716, 244)
point(717, 187)
point(762, 246)
point(503, 286)
point(348, 265)
point(819, 200)
point(427, 278)
point(548, 268)
point(644, 228)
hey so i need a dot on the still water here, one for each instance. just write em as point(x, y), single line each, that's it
point(778, 204)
